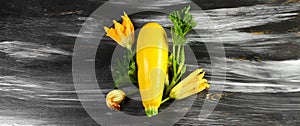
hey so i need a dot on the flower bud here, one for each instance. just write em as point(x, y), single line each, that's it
point(114, 98)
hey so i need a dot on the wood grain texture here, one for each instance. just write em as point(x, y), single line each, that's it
point(261, 40)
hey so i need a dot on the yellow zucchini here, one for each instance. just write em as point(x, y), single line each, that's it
point(152, 61)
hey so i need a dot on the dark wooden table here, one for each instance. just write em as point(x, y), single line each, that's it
point(260, 38)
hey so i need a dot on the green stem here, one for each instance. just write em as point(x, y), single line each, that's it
point(177, 73)
point(173, 81)
point(129, 54)
point(180, 68)
point(178, 53)
point(171, 85)
point(178, 78)
point(174, 50)
point(182, 55)
point(166, 99)
point(166, 91)
point(174, 66)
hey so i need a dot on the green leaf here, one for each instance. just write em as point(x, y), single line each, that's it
point(177, 39)
point(123, 74)
point(183, 22)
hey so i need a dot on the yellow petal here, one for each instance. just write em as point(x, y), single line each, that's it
point(125, 14)
point(188, 79)
point(128, 24)
point(118, 26)
point(191, 76)
point(113, 34)
point(201, 76)
point(192, 89)
point(106, 29)
point(192, 84)
point(127, 29)
point(119, 30)
point(203, 86)
point(186, 94)
point(123, 33)
point(180, 91)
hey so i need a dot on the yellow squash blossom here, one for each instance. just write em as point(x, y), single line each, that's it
point(123, 33)
point(114, 98)
point(192, 84)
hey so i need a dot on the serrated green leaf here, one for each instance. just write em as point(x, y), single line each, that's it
point(183, 22)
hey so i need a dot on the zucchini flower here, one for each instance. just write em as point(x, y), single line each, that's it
point(192, 84)
point(114, 98)
point(123, 33)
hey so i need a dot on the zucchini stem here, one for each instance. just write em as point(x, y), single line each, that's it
point(166, 99)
